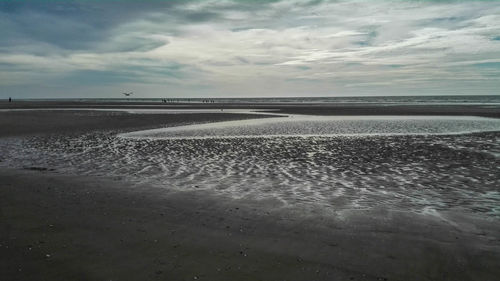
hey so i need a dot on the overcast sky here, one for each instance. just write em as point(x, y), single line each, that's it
point(224, 48)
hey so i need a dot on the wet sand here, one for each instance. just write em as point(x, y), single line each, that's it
point(44, 122)
point(56, 227)
point(59, 227)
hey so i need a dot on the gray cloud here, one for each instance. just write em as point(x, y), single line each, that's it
point(239, 48)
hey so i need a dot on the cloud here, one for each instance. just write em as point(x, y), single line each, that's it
point(248, 48)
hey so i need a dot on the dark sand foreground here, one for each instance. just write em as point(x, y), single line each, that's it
point(60, 227)
point(55, 227)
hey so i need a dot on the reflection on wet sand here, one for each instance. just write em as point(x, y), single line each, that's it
point(401, 171)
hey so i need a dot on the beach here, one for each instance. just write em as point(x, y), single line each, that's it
point(80, 202)
point(341, 108)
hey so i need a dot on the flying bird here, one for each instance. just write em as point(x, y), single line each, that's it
point(128, 94)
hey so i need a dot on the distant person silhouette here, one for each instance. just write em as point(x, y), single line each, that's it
point(10, 99)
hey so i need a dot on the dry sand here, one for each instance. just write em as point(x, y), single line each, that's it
point(60, 227)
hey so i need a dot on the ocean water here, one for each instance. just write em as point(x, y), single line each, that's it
point(461, 99)
point(411, 164)
point(308, 126)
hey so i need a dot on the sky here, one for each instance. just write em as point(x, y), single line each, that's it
point(231, 48)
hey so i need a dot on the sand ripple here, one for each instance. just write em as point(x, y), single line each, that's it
point(403, 172)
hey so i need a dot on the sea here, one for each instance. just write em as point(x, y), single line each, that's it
point(450, 99)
